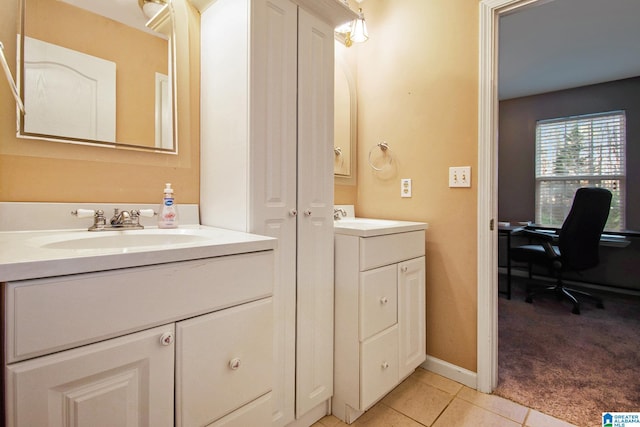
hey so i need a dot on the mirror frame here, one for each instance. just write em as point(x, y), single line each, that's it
point(163, 22)
point(353, 127)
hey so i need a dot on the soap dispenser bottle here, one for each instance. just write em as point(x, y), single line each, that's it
point(168, 217)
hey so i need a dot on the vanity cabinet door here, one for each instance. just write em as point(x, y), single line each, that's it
point(411, 314)
point(122, 382)
point(224, 360)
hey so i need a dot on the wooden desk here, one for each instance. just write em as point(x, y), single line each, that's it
point(506, 230)
point(618, 240)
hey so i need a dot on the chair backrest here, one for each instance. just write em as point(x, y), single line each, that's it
point(579, 238)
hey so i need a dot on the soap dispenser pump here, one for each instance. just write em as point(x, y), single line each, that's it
point(168, 217)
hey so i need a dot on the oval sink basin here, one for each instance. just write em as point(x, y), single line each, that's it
point(123, 239)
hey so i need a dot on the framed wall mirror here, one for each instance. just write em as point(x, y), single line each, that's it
point(98, 72)
point(345, 121)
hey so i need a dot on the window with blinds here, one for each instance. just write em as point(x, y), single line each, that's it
point(580, 151)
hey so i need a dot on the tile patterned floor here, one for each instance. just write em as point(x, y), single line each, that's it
point(428, 399)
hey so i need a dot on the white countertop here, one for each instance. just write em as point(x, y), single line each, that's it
point(369, 227)
point(24, 256)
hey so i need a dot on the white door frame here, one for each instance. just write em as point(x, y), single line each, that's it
point(487, 350)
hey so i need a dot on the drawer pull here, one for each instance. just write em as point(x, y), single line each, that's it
point(384, 365)
point(234, 363)
point(384, 300)
point(166, 338)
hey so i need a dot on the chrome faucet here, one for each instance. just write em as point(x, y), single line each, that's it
point(129, 220)
point(339, 213)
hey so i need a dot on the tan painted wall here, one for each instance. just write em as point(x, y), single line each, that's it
point(418, 91)
point(46, 171)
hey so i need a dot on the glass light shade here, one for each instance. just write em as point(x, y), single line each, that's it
point(151, 7)
point(359, 31)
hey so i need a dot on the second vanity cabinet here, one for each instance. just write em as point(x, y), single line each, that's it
point(118, 348)
point(380, 325)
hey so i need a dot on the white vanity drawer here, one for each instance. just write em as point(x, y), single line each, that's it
point(252, 414)
point(378, 300)
point(378, 367)
point(48, 315)
point(224, 360)
point(391, 248)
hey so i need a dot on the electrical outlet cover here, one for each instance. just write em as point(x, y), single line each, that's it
point(405, 187)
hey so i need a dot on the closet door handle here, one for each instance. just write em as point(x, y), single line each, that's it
point(293, 212)
point(307, 212)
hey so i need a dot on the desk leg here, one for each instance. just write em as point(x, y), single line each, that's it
point(509, 266)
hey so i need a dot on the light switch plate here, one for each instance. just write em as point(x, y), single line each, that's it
point(405, 187)
point(460, 176)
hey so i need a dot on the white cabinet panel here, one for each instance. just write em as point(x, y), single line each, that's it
point(314, 338)
point(223, 361)
point(252, 414)
point(123, 382)
point(378, 366)
point(378, 300)
point(74, 310)
point(412, 309)
point(390, 248)
point(273, 172)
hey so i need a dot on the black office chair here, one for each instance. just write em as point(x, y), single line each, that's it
point(575, 248)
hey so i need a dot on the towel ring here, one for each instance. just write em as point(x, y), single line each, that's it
point(339, 157)
point(384, 147)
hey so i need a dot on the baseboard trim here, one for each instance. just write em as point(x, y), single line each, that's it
point(451, 371)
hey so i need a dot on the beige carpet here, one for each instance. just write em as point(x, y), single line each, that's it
point(573, 367)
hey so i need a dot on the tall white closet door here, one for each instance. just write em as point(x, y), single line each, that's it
point(273, 176)
point(314, 365)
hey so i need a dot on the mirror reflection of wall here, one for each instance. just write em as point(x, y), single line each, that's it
point(342, 123)
point(345, 116)
point(133, 59)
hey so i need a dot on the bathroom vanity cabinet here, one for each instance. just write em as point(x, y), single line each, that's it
point(380, 333)
point(267, 157)
point(118, 348)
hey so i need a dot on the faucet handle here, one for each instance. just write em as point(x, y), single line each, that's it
point(147, 212)
point(83, 213)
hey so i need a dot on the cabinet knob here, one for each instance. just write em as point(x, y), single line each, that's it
point(234, 363)
point(404, 268)
point(384, 365)
point(384, 300)
point(166, 338)
point(293, 212)
point(307, 212)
